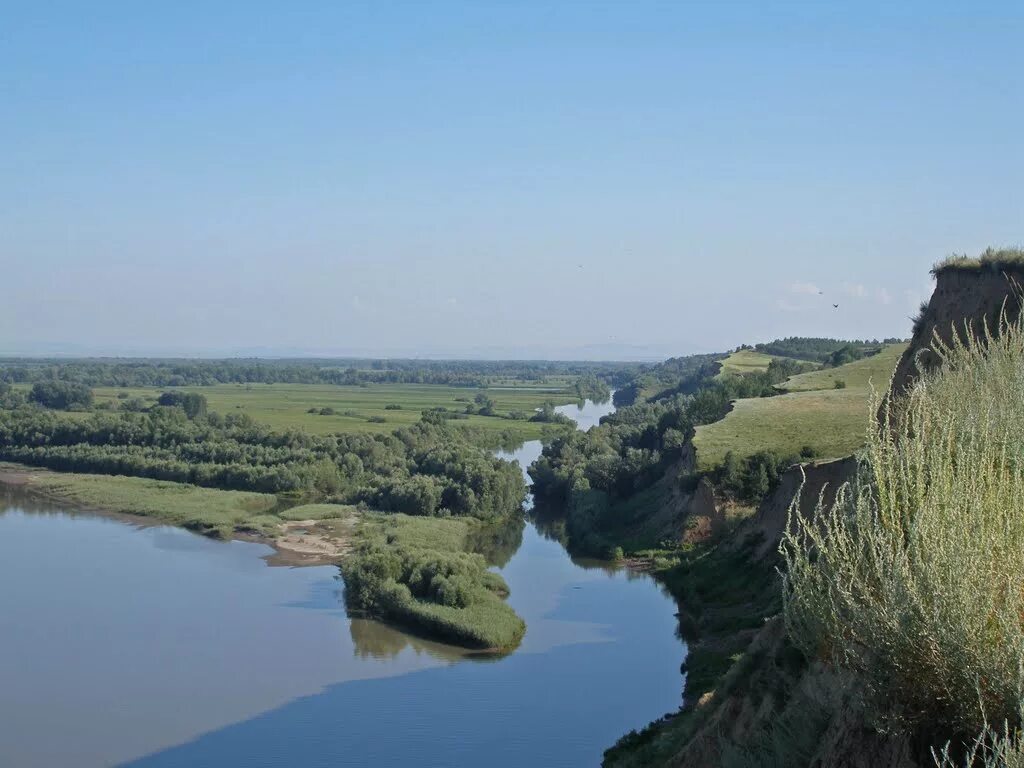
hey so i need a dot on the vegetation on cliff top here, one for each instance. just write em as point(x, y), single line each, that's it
point(914, 578)
point(993, 259)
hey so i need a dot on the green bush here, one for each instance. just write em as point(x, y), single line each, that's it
point(914, 577)
point(61, 395)
point(447, 595)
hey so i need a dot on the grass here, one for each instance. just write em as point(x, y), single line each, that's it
point(859, 374)
point(744, 361)
point(487, 624)
point(914, 578)
point(318, 512)
point(992, 258)
point(444, 534)
point(212, 512)
point(833, 422)
point(286, 406)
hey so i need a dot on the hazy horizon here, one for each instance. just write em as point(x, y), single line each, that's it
point(449, 178)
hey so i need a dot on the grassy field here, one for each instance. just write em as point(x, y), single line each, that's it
point(813, 413)
point(443, 534)
point(209, 511)
point(284, 406)
point(856, 375)
point(744, 361)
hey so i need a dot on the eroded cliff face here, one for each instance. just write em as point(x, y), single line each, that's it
point(767, 690)
point(812, 481)
point(963, 299)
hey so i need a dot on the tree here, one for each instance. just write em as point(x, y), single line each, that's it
point(760, 483)
point(61, 395)
point(485, 404)
point(192, 403)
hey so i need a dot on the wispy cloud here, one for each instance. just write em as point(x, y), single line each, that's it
point(804, 288)
point(855, 290)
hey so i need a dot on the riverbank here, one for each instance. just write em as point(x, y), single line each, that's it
point(322, 534)
point(300, 535)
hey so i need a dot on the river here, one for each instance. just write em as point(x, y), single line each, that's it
point(152, 646)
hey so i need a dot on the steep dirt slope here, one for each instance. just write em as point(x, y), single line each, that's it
point(964, 296)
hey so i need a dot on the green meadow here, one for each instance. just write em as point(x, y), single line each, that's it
point(210, 511)
point(813, 413)
point(744, 361)
point(372, 408)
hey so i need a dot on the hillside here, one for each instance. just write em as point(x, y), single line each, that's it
point(752, 698)
point(745, 361)
point(812, 414)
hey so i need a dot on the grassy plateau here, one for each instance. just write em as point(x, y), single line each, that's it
point(813, 413)
point(744, 361)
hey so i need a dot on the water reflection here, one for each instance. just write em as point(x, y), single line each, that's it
point(498, 542)
point(373, 640)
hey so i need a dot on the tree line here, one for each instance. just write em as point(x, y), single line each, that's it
point(830, 352)
point(425, 469)
point(180, 373)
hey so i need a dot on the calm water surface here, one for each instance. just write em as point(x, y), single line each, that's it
point(157, 647)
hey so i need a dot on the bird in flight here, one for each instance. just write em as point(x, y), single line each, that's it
point(836, 306)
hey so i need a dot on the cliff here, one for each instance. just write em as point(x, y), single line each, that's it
point(969, 294)
point(751, 698)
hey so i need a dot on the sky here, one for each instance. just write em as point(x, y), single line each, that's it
point(494, 179)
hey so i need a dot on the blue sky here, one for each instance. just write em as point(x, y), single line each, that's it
point(495, 177)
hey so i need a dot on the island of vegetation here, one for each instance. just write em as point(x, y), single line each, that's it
point(416, 573)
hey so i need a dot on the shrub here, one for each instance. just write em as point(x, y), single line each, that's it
point(448, 595)
point(914, 577)
point(839, 384)
point(917, 321)
point(192, 403)
point(61, 395)
point(990, 749)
